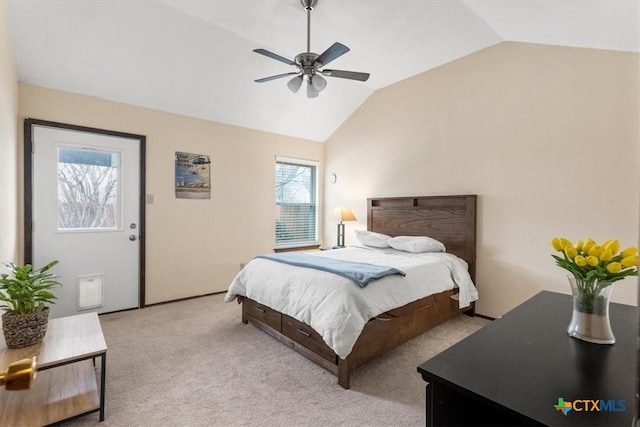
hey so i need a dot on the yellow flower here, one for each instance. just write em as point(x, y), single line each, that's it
point(612, 245)
point(630, 261)
point(571, 252)
point(606, 255)
point(614, 267)
point(592, 261)
point(596, 262)
point(565, 243)
point(595, 251)
point(588, 244)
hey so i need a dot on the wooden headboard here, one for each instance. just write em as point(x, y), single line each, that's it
point(449, 219)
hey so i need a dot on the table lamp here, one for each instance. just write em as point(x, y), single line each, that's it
point(345, 215)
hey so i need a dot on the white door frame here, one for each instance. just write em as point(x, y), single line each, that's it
point(28, 190)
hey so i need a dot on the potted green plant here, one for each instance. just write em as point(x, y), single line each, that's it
point(24, 296)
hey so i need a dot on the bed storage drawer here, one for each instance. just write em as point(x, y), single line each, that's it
point(257, 312)
point(305, 335)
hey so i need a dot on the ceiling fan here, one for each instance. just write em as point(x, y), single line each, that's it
point(311, 65)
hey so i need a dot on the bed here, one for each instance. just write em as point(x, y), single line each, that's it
point(400, 317)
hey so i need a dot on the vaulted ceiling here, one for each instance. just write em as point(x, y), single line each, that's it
point(196, 58)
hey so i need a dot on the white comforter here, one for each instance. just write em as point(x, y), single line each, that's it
point(336, 307)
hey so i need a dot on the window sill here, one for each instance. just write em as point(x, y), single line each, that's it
point(296, 248)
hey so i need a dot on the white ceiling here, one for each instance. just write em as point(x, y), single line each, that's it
point(195, 57)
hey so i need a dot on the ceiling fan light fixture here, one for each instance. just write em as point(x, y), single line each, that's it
point(294, 84)
point(318, 82)
point(310, 64)
point(311, 91)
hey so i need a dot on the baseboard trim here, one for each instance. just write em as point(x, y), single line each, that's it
point(482, 316)
point(184, 299)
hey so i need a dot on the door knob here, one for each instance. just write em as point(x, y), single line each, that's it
point(132, 237)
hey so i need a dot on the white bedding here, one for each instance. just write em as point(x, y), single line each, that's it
point(336, 307)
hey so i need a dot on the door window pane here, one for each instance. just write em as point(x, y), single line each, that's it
point(88, 194)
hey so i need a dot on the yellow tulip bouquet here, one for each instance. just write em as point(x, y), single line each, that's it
point(594, 267)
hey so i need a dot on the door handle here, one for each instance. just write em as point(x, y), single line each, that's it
point(133, 237)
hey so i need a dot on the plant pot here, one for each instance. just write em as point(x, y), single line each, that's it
point(23, 330)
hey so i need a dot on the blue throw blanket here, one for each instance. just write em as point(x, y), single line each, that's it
point(359, 272)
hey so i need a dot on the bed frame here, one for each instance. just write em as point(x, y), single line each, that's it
point(450, 219)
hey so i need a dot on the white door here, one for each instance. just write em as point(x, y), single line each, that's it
point(86, 214)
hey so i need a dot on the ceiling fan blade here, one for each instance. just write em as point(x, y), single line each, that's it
point(274, 56)
point(335, 50)
point(277, 76)
point(353, 75)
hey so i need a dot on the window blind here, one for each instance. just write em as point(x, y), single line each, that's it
point(296, 203)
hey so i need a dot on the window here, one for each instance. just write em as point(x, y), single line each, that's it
point(296, 203)
point(88, 195)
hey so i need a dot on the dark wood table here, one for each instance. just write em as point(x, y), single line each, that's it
point(514, 370)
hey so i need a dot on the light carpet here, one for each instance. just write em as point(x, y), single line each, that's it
point(193, 363)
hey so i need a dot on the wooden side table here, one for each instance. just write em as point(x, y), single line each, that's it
point(66, 385)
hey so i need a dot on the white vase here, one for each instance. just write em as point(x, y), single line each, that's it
point(590, 317)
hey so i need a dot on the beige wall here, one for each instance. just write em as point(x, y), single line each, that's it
point(8, 145)
point(193, 247)
point(546, 136)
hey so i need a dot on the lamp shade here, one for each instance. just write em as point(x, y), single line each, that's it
point(311, 91)
point(295, 83)
point(318, 82)
point(347, 215)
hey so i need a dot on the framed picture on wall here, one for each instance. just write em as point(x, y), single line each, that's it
point(193, 176)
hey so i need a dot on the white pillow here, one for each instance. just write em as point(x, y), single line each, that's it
point(371, 238)
point(417, 244)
